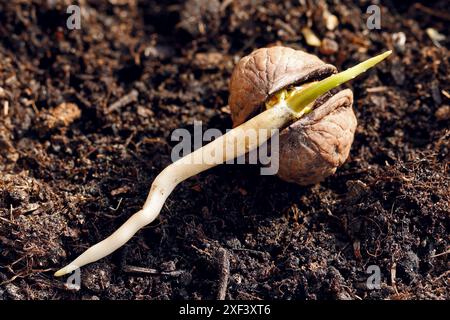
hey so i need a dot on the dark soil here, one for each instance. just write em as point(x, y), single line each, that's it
point(71, 174)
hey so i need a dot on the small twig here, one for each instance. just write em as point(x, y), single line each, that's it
point(201, 251)
point(126, 99)
point(432, 12)
point(393, 276)
point(446, 273)
point(249, 296)
point(24, 274)
point(376, 89)
point(118, 205)
point(445, 93)
point(134, 269)
point(127, 142)
point(440, 254)
point(7, 221)
point(256, 252)
point(5, 108)
point(224, 273)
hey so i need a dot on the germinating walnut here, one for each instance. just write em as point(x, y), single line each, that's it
point(314, 146)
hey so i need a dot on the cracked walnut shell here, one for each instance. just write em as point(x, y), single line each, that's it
point(313, 147)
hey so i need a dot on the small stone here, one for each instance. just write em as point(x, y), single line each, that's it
point(443, 113)
point(329, 47)
point(331, 21)
point(310, 37)
point(399, 40)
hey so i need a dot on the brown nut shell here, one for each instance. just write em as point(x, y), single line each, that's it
point(267, 70)
point(313, 147)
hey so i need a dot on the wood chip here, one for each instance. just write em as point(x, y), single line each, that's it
point(224, 261)
point(125, 100)
point(435, 36)
point(310, 38)
point(61, 116)
point(120, 190)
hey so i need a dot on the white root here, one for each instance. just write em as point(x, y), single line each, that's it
point(233, 144)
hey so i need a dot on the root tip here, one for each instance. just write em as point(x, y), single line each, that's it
point(66, 270)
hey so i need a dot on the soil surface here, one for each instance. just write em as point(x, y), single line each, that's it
point(85, 123)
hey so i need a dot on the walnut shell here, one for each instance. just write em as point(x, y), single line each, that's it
point(267, 70)
point(314, 146)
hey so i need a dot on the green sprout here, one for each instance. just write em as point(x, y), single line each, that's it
point(305, 97)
